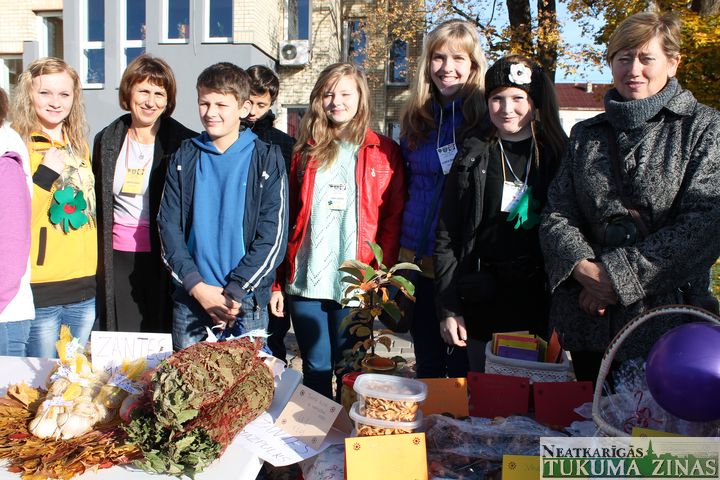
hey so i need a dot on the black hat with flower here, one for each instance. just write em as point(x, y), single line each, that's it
point(515, 71)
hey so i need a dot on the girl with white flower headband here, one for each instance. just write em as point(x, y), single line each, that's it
point(489, 273)
point(446, 101)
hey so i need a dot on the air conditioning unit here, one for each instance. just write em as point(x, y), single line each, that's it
point(294, 53)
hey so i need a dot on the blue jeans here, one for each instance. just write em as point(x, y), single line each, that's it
point(433, 357)
point(317, 329)
point(45, 329)
point(190, 319)
point(14, 338)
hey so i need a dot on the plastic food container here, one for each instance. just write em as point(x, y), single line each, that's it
point(386, 397)
point(368, 427)
point(347, 394)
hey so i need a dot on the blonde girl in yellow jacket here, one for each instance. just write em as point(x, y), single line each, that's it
point(49, 115)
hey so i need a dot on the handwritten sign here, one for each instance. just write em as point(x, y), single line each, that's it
point(308, 416)
point(110, 349)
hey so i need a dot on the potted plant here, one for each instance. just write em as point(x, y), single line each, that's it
point(370, 292)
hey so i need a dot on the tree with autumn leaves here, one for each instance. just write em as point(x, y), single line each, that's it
point(533, 30)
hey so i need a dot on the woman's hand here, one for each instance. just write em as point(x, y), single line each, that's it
point(453, 332)
point(591, 305)
point(222, 309)
point(594, 278)
point(54, 159)
point(277, 304)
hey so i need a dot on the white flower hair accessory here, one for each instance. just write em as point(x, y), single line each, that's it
point(520, 74)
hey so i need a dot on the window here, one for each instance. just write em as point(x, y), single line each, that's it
point(356, 42)
point(393, 131)
point(299, 19)
point(397, 63)
point(50, 34)
point(10, 69)
point(92, 60)
point(218, 21)
point(134, 42)
point(294, 115)
point(176, 21)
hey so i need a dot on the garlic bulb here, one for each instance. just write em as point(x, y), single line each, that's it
point(44, 425)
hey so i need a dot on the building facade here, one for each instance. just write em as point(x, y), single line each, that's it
point(296, 38)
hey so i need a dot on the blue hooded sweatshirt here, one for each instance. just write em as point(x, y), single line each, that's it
point(216, 237)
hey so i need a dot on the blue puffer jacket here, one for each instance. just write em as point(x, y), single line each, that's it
point(423, 173)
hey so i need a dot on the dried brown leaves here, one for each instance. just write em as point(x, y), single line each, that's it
point(36, 458)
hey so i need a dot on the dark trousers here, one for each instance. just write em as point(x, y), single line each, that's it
point(433, 357)
point(142, 297)
point(278, 328)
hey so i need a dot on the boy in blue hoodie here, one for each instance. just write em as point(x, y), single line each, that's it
point(223, 215)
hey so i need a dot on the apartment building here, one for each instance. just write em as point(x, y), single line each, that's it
point(296, 38)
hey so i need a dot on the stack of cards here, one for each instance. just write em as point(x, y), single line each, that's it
point(525, 346)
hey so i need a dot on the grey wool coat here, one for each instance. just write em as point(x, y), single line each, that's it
point(671, 173)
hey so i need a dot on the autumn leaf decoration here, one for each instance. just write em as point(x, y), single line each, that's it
point(67, 209)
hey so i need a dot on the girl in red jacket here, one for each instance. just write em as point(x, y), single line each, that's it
point(347, 187)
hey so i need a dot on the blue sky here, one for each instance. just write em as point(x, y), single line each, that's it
point(573, 35)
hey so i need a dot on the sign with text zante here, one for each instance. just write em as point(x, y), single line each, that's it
point(110, 349)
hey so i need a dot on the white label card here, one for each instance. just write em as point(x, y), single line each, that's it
point(110, 349)
point(447, 155)
point(337, 196)
point(511, 194)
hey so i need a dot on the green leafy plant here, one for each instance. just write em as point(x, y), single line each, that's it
point(369, 294)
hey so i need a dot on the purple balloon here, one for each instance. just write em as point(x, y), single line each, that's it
point(683, 372)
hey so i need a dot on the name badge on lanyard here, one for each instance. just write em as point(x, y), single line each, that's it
point(337, 198)
point(133, 183)
point(512, 191)
point(447, 154)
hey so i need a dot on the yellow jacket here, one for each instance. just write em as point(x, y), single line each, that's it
point(64, 234)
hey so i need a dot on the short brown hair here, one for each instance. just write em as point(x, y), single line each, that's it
point(263, 80)
point(4, 105)
point(640, 28)
point(226, 78)
point(154, 70)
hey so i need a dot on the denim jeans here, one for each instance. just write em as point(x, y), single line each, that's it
point(433, 357)
point(45, 329)
point(321, 343)
point(190, 319)
point(14, 338)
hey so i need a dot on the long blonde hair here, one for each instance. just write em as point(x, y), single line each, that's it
point(417, 118)
point(317, 135)
point(25, 120)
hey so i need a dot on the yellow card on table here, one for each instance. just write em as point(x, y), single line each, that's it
point(446, 395)
point(308, 416)
point(520, 467)
point(386, 457)
point(649, 432)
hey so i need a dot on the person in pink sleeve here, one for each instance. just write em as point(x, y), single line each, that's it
point(16, 302)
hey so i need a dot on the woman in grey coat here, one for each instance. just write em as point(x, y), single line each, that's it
point(633, 216)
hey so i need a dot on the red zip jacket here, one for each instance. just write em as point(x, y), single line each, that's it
point(380, 178)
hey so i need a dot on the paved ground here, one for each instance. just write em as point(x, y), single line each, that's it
point(401, 345)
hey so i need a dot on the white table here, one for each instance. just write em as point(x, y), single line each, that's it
point(235, 464)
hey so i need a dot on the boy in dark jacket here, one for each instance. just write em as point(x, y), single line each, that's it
point(223, 215)
point(264, 88)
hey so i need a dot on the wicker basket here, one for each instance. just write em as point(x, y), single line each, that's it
point(604, 427)
point(535, 371)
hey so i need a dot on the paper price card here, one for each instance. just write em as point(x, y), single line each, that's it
point(446, 395)
point(110, 349)
point(308, 416)
point(386, 457)
point(520, 467)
